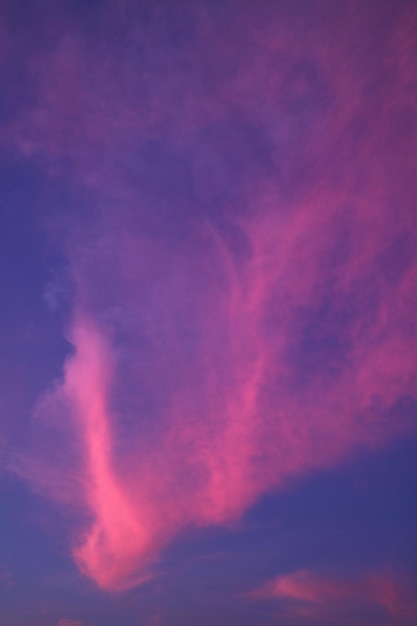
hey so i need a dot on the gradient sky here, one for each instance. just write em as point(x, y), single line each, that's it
point(208, 339)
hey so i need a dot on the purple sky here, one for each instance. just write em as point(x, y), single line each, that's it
point(208, 339)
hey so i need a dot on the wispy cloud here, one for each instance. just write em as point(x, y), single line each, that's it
point(241, 246)
point(312, 595)
point(6, 576)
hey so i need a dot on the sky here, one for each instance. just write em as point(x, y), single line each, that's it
point(208, 289)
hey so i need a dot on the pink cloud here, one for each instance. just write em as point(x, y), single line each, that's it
point(229, 424)
point(69, 622)
point(118, 537)
point(155, 620)
point(215, 360)
point(6, 576)
point(311, 594)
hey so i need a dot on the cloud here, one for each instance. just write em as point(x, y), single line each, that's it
point(69, 622)
point(304, 590)
point(155, 620)
point(6, 576)
point(241, 244)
